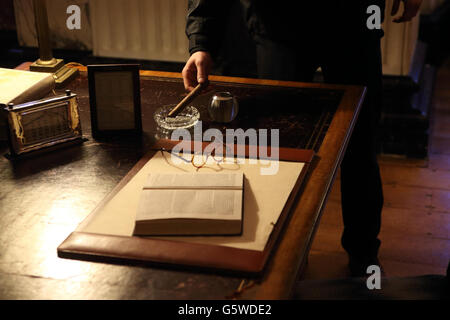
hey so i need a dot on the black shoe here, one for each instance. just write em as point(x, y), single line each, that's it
point(358, 266)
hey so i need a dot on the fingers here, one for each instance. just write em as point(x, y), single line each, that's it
point(202, 72)
point(404, 18)
point(411, 9)
point(189, 76)
point(395, 7)
point(196, 70)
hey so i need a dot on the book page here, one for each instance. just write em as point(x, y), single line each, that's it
point(191, 195)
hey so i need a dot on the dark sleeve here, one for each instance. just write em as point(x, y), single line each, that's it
point(205, 24)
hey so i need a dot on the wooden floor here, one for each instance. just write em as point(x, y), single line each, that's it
point(415, 231)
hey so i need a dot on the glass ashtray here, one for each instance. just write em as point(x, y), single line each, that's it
point(186, 119)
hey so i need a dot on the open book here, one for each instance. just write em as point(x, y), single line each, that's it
point(191, 204)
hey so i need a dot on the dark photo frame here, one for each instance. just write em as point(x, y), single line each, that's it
point(115, 100)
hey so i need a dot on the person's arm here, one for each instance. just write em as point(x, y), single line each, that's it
point(411, 9)
point(203, 29)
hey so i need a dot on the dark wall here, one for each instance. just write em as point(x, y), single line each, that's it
point(7, 20)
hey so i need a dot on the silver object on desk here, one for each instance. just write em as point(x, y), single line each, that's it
point(223, 107)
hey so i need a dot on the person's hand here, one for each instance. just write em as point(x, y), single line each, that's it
point(197, 69)
point(411, 9)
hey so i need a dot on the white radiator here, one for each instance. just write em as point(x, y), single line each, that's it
point(140, 29)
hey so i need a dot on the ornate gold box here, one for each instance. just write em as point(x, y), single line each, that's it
point(43, 123)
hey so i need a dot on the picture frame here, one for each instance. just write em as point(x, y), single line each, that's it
point(115, 100)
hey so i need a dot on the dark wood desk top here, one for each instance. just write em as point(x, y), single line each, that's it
point(44, 198)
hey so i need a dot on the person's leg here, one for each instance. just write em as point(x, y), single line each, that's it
point(356, 59)
point(345, 58)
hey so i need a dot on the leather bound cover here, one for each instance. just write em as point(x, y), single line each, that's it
point(138, 250)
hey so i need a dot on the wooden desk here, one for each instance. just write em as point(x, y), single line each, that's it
point(43, 199)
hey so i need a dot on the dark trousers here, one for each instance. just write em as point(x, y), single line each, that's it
point(350, 58)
